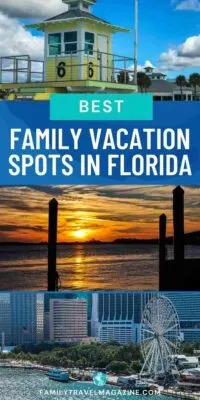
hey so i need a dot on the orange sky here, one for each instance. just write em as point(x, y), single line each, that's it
point(92, 212)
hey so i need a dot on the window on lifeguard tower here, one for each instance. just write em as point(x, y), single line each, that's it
point(74, 6)
point(70, 41)
point(54, 43)
point(89, 43)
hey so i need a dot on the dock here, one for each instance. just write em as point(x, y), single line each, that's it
point(179, 273)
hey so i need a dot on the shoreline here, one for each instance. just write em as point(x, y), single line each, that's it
point(112, 381)
point(37, 367)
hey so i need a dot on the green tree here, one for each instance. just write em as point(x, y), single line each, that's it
point(83, 362)
point(118, 367)
point(136, 366)
point(4, 94)
point(181, 82)
point(143, 81)
point(194, 81)
point(147, 83)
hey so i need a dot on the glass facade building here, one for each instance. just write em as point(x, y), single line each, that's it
point(187, 305)
point(117, 316)
point(24, 316)
point(27, 310)
point(5, 318)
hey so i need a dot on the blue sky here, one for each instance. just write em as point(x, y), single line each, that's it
point(161, 27)
point(169, 30)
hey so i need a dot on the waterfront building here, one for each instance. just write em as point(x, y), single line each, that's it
point(117, 316)
point(47, 298)
point(27, 312)
point(40, 318)
point(68, 320)
point(184, 361)
point(5, 319)
point(187, 305)
point(163, 88)
point(189, 380)
point(63, 295)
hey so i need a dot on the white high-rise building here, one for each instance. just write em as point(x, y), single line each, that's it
point(117, 316)
point(68, 320)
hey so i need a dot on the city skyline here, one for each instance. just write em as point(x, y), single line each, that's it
point(103, 213)
point(33, 318)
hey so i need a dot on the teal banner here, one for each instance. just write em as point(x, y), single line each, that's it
point(105, 107)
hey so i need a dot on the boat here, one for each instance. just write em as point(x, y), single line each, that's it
point(59, 375)
point(130, 383)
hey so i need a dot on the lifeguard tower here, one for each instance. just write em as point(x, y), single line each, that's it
point(77, 58)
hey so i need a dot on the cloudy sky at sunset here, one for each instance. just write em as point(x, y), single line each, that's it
point(92, 212)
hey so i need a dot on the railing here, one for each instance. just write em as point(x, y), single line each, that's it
point(71, 66)
point(18, 69)
point(93, 65)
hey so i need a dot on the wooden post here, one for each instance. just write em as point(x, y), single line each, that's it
point(162, 249)
point(52, 245)
point(178, 219)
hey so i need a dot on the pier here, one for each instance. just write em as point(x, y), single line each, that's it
point(180, 273)
point(52, 246)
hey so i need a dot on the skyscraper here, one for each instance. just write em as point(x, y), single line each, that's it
point(63, 295)
point(5, 318)
point(68, 320)
point(27, 317)
point(187, 305)
point(117, 316)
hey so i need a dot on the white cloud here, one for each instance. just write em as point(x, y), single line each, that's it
point(190, 48)
point(32, 9)
point(15, 40)
point(186, 55)
point(189, 5)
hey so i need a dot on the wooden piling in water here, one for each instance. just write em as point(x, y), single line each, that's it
point(178, 220)
point(162, 248)
point(52, 245)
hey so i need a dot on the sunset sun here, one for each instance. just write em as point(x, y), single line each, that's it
point(80, 234)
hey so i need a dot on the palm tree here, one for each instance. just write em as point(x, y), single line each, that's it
point(146, 83)
point(194, 81)
point(181, 82)
point(140, 80)
point(143, 81)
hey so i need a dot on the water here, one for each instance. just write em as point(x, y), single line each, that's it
point(84, 267)
point(21, 384)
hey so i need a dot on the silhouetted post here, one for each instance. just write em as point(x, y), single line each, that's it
point(178, 216)
point(52, 245)
point(162, 249)
point(162, 238)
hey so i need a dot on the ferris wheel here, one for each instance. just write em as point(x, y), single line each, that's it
point(160, 336)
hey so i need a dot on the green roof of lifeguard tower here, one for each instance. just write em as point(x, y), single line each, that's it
point(74, 14)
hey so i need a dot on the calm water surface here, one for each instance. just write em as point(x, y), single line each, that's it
point(84, 267)
point(28, 385)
